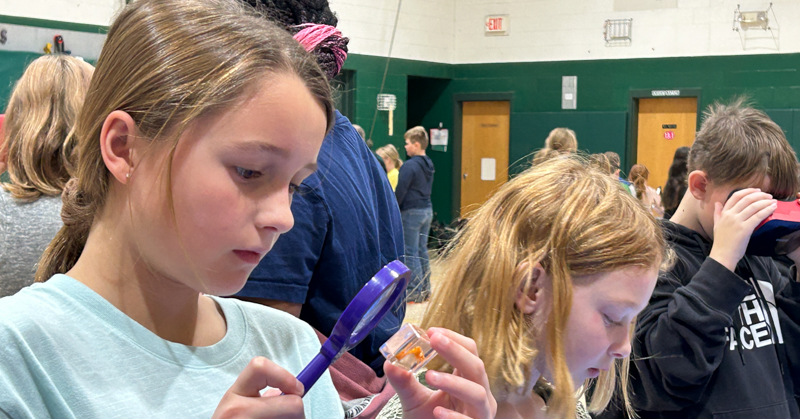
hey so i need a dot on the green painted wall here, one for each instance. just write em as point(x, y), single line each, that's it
point(604, 86)
point(601, 121)
point(12, 65)
point(368, 75)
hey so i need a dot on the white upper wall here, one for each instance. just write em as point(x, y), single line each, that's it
point(425, 30)
point(451, 31)
point(93, 12)
point(556, 30)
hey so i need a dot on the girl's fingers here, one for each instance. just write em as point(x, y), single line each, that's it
point(473, 395)
point(283, 407)
point(412, 394)
point(261, 373)
point(467, 362)
point(442, 413)
point(462, 340)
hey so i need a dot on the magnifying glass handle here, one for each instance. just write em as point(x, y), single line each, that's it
point(313, 371)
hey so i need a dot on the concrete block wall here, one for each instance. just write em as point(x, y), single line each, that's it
point(92, 12)
point(546, 30)
point(560, 30)
point(426, 29)
point(451, 31)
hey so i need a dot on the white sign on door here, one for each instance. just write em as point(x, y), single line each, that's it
point(488, 169)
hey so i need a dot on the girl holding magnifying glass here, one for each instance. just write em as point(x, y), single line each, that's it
point(200, 121)
point(548, 277)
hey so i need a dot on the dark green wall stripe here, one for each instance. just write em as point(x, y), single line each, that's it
point(53, 24)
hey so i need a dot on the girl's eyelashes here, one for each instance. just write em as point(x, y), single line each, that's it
point(247, 174)
point(607, 320)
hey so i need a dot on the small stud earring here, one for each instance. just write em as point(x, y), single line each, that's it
point(128, 175)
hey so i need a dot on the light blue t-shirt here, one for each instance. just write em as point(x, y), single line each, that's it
point(66, 352)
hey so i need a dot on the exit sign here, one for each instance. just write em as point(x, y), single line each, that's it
point(496, 25)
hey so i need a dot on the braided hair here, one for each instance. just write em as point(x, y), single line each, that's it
point(292, 14)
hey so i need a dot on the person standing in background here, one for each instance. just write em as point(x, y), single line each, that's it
point(414, 183)
point(38, 142)
point(638, 175)
point(363, 135)
point(392, 162)
point(559, 141)
point(613, 161)
point(676, 181)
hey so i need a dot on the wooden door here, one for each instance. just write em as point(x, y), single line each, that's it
point(484, 151)
point(664, 125)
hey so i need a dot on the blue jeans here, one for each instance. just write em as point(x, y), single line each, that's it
point(416, 226)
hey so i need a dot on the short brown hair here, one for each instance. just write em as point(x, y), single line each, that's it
point(600, 162)
point(418, 135)
point(613, 160)
point(738, 143)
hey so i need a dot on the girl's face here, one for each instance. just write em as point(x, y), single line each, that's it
point(232, 180)
point(388, 163)
point(599, 325)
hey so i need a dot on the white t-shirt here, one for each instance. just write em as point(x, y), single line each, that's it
point(66, 352)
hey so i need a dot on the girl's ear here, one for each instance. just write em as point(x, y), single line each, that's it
point(117, 140)
point(698, 183)
point(530, 292)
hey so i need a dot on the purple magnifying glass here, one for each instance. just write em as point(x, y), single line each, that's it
point(366, 310)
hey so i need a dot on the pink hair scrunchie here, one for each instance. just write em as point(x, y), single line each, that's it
point(311, 35)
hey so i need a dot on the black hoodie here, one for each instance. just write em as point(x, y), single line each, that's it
point(705, 345)
point(414, 183)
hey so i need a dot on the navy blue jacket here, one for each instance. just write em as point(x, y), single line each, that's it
point(414, 183)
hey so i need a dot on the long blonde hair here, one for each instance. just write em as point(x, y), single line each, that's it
point(560, 141)
point(390, 152)
point(573, 220)
point(168, 63)
point(39, 125)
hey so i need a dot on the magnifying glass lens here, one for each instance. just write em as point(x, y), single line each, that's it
point(374, 309)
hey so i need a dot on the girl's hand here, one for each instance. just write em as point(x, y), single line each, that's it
point(463, 394)
point(244, 399)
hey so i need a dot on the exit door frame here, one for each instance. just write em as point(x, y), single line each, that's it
point(633, 116)
point(458, 108)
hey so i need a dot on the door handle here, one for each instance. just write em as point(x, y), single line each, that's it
point(465, 175)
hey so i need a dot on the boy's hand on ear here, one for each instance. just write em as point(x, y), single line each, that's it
point(244, 399)
point(734, 222)
point(463, 394)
